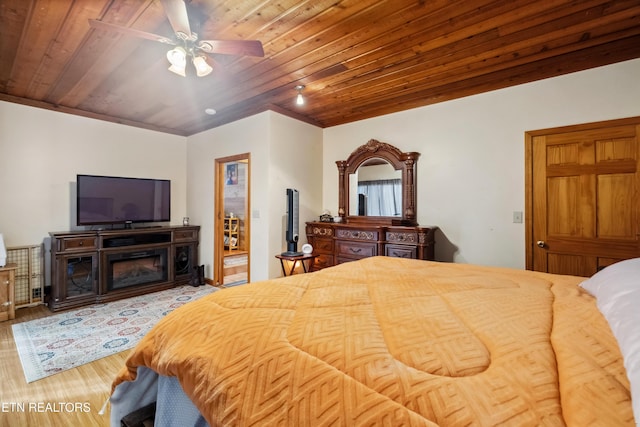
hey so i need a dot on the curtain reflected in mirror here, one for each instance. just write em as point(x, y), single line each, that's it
point(380, 198)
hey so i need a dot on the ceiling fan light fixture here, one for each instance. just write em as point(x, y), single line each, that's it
point(202, 68)
point(178, 70)
point(189, 43)
point(177, 56)
point(178, 59)
point(299, 97)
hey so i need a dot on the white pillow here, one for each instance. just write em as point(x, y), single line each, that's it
point(617, 292)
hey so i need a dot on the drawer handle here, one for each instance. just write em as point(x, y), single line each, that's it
point(7, 304)
point(400, 255)
point(6, 282)
point(355, 251)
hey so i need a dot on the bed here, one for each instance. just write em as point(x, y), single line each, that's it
point(392, 341)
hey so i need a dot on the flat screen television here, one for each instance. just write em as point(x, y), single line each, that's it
point(120, 200)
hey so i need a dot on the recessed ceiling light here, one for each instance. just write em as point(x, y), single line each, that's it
point(299, 97)
point(210, 111)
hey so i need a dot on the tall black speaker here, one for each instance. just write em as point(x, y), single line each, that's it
point(362, 204)
point(293, 223)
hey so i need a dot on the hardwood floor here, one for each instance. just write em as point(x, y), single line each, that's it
point(235, 267)
point(70, 398)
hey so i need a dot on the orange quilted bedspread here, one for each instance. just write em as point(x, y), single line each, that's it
point(389, 341)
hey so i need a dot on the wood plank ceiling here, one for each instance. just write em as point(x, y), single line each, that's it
point(356, 58)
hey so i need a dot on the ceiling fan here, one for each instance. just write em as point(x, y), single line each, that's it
point(187, 42)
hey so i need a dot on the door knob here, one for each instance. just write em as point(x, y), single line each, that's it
point(541, 243)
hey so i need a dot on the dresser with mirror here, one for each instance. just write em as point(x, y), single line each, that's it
point(376, 210)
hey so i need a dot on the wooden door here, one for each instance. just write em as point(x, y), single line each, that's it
point(583, 207)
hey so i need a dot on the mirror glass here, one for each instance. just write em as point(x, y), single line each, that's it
point(375, 189)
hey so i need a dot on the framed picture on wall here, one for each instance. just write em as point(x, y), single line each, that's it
point(232, 174)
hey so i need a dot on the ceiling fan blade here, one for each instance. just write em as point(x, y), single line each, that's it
point(232, 47)
point(129, 31)
point(176, 11)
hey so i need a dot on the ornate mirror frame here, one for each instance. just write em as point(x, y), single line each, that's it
point(406, 162)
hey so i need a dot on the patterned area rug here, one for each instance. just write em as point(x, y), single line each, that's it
point(63, 341)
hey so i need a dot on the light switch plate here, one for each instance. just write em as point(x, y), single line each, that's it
point(517, 217)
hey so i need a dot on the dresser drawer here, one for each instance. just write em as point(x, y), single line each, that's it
point(356, 249)
point(319, 231)
point(77, 243)
point(401, 251)
point(357, 234)
point(185, 235)
point(322, 261)
point(395, 236)
point(323, 245)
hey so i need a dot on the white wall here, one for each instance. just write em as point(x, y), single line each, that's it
point(471, 171)
point(242, 136)
point(41, 152)
point(294, 159)
point(284, 154)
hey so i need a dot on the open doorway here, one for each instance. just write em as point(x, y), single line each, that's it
point(232, 239)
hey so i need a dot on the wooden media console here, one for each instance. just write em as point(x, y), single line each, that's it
point(89, 267)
